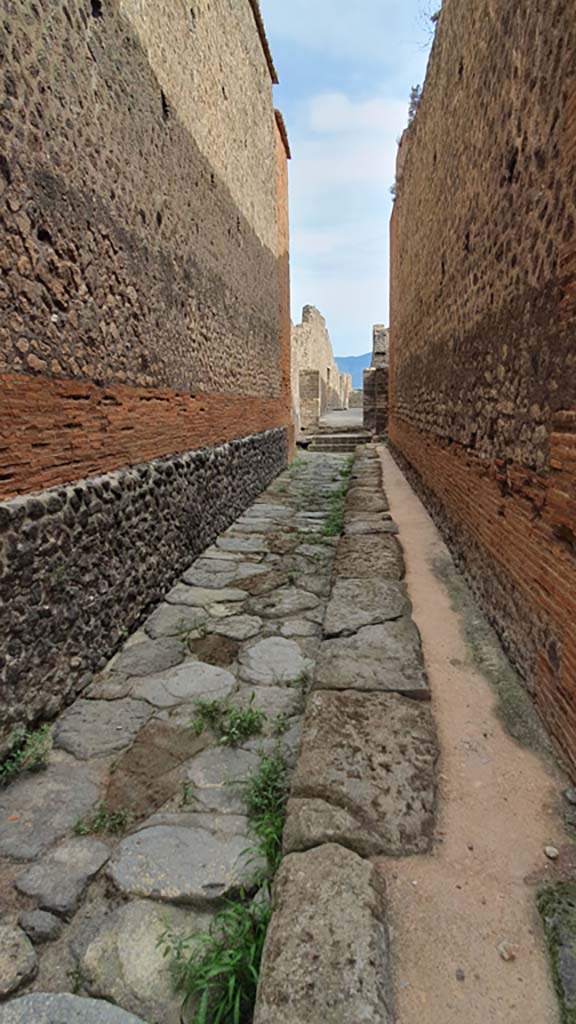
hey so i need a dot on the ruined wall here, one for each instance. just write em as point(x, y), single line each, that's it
point(356, 398)
point(483, 320)
point(376, 383)
point(313, 361)
point(144, 304)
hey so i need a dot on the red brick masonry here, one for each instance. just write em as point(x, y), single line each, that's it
point(525, 523)
point(56, 431)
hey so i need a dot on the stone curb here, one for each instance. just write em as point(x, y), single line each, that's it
point(364, 785)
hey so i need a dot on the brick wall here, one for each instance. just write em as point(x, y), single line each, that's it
point(144, 316)
point(483, 324)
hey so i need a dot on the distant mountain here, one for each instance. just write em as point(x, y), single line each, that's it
point(354, 365)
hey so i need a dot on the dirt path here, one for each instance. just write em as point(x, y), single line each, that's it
point(499, 806)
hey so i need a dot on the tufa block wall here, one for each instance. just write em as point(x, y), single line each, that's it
point(317, 384)
point(483, 323)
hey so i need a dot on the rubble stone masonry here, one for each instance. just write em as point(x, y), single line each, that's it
point(144, 310)
point(483, 323)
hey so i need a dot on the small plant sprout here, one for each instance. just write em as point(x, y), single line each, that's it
point(28, 752)
point(231, 725)
point(102, 822)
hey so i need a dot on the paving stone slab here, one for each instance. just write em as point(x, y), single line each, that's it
point(326, 958)
point(40, 926)
point(215, 776)
point(357, 603)
point(18, 961)
point(363, 557)
point(373, 755)
point(273, 662)
point(149, 656)
point(366, 499)
point(188, 866)
point(263, 508)
point(174, 620)
point(37, 810)
point(58, 881)
point(274, 701)
point(299, 627)
point(283, 603)
point(253, 545)
point(61, 1008)
point(194, 680)
point(237, 627)
point(201, 597)
point(360, 527)
point(96, 728)
point(311, 823)
point(125, 962)
point(385, 658)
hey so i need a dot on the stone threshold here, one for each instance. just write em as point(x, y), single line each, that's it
point(364, 784)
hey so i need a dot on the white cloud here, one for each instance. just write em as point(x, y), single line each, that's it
point(335, 113)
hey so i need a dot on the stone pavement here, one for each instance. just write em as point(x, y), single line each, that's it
point(316, 632)
point(364, 784)
point(82, 914)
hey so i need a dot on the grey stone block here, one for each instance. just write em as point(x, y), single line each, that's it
point(357, 603)
point(58, 881)
point(61, 1008)
point(385, 658)
point(95, 728)
point(326, 958)
point(18, 961)
point(374, 756)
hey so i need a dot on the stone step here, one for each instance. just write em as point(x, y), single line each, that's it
point(332, 448)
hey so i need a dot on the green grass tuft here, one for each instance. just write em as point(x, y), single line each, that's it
point(230, 725)
point(102, 822)
point(265, 795)
point(217, 971)
point(28, 752)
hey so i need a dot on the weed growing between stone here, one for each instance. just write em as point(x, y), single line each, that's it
point(217, 972)
point(102, 822)
point(557, 906)
point(230, 725)
point(28, 752)
point(334, 523)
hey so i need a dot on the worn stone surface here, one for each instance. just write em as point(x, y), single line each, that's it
point(38, 810)
point(283, 603)
point(272, 700)
point(146, 775)
point(174, 620)
point(365, 557)
point(61, 1008)
point(58, 881)
point(373, 755)
point(181, 865)
point(216, 775)
point(202, 597)
point(273, 661)
point(238, 627)
point(299, 627)
point(18, 961)
point(40, 926)
point(359, 527)
point(311, 823)
point(243, 545)
point(144, 658)
point(357, 603)
point(94, 728)
point(125, 962)
point(326, 957)
point(191, 681)
point(385, 658)
point(366, 499)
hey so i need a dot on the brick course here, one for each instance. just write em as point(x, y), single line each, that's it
point(483, 324)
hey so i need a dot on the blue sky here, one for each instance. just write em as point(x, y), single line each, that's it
point(346, 68)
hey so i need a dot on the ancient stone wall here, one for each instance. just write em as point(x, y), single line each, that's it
point(144, 298)
point(483, 318)
point(356, 398)
point(312, 354)
point(376, 383)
